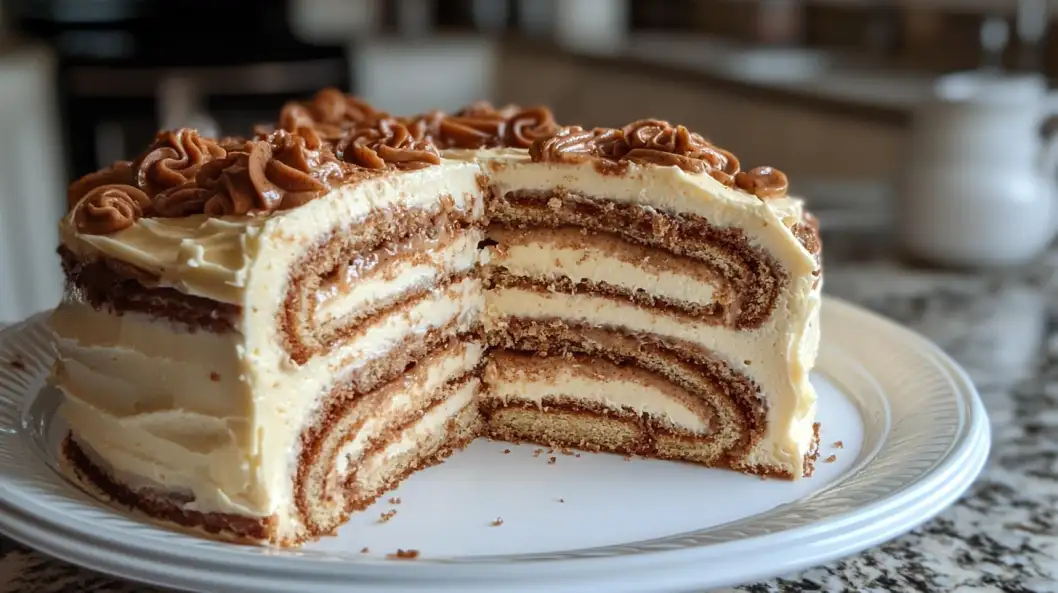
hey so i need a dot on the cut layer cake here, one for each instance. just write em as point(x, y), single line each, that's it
point(260, 337)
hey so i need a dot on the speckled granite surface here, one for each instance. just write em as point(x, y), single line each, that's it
point(1001, 537)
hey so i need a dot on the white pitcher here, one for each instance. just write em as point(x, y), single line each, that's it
point(979, 179)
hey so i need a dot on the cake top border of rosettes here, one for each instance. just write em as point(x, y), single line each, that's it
point(334, 138)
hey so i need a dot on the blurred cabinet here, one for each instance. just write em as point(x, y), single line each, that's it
point(415, 76)
point(32, 193)
point(805, 140)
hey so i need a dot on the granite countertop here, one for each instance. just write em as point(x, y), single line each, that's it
point(1002, 536)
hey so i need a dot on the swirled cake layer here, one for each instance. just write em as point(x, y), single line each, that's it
point(394, 256)
point(673, 258)
point(664, 392)
point(362, 442)
point(751, 277)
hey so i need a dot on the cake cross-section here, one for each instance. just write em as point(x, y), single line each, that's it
point(260, 336)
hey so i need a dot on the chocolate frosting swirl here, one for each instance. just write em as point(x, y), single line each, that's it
point(471, 132)
point(652, 141)
point(279, 172)
point(526, 126)
point(426, 126)
point(173, 159)
point(330, 113)
point(483, 126)
point(387, 144)
point(763, 182)
point(332, 106)
point(110, 208)
point(574, 144)
point(232, 143)
point(120, 173)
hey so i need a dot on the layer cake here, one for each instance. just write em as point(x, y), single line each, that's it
point(261, 336)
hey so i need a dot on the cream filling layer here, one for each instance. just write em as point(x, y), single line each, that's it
point(766, 223)
point(600, 384)
point(429, 429)
point(774, 356)
point(540, 258)
point(391, 281)
point(411, 397)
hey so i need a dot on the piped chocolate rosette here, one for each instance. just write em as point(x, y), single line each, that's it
point(330, 113)
point(183, 174)
point(617, 268)
point(660, 143)
point(481, 126)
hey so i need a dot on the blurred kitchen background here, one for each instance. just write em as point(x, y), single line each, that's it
point(827, 90)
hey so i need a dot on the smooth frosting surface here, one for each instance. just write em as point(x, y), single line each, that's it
point(197, 255)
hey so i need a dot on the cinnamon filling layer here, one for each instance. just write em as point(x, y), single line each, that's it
point(382, 263)
point(386, 275)
point(624, 389)
point(322, 271)
point(732, 397)
point(753, 275)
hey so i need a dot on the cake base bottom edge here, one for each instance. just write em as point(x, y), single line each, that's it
point(600, 431)
point(165, 509)
point(592, 433)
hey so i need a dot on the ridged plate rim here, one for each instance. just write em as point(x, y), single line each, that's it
point(905, 475)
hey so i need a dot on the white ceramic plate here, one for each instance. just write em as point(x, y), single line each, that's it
point(915, 436)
